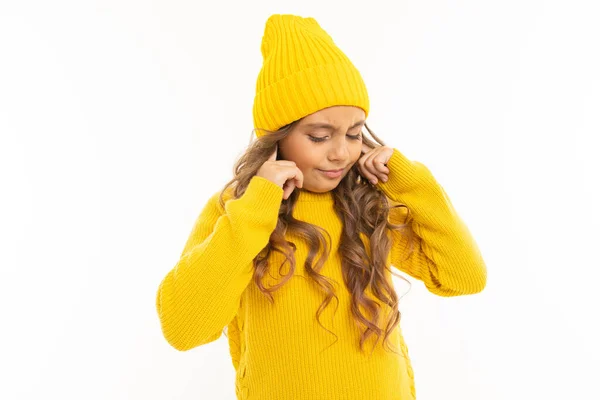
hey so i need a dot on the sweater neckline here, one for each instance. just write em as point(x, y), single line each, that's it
point(306, 196)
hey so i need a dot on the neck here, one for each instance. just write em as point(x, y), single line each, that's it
point(306, 196)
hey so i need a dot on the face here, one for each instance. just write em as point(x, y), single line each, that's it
point(329, 139)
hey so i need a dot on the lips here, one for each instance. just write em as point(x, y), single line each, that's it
point(332, 170)
point(332, 174)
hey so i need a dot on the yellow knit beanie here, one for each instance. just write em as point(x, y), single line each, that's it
point(303, 72)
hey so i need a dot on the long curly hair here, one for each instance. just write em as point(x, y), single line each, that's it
point(362, 209)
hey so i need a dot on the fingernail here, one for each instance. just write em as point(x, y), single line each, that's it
point(384, 179)
point(373, 181)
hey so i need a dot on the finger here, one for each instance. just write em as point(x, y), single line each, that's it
point(364, 170)
point(273, 155)
point(365, 148)
point(288, 188)
point(380, 166)
point(375, 166)
point(371, 166)
point(286, 163)
point(299, 178)
point(368, 165)
point(367, 174)
point(295, 181)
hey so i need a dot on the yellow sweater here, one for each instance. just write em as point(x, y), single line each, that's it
point(277, 349)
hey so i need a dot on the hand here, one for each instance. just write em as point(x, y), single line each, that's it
point(372, 163)
point(283, 173)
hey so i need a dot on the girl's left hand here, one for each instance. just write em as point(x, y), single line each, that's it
point(372, 163)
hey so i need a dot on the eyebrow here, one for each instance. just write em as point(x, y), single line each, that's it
point(329, 126)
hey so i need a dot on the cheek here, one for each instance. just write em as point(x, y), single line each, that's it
point(356, 153)
point(306, 166)
point(308, 160)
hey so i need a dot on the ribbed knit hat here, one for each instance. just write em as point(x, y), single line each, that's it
point(303, 72)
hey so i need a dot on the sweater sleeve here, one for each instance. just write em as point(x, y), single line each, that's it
point(200, 295)
point(445, 255)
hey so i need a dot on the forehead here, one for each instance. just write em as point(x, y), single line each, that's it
point(337, 116)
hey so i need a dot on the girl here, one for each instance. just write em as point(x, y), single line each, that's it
point(316, 211)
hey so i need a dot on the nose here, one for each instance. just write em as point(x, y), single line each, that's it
point(339, 150)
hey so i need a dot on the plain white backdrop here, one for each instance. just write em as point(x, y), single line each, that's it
point(118, 119)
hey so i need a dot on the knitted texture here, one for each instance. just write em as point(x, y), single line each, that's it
point(303, 72)
point(279, 350)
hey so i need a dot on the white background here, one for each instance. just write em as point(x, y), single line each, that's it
point(118, 119)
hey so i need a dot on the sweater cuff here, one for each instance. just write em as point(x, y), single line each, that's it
point(405, 175)
point(259, 205)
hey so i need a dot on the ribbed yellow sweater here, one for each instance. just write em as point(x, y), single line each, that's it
point(278, 349)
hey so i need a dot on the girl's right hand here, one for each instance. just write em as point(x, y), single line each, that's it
point(283, 173)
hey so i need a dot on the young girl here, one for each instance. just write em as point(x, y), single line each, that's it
point(316, 211)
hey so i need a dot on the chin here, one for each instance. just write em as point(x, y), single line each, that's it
point(319, 188)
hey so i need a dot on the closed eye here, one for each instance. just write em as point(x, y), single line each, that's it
point(317, 139)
